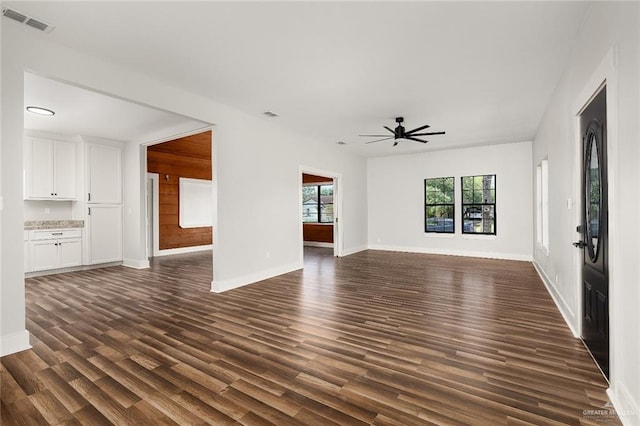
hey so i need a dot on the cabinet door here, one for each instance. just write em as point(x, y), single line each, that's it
point(44, 255)
point(104, 174)
point(64, 170)
point(70, 252)
point(40, 168)
point(104, 233)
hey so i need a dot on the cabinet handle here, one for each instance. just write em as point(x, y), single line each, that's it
point(56, 194)
point(56, 244)
point(89, 211)
point(52, 193)
point(88, 196)
point(57, 233)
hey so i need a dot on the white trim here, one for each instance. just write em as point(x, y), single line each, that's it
point(224, 285)
point(317, 244)
point(136, 263)
point(562, 305)
point(178, 135)
point(354, 250)
point(155, 178)
point(14, 342)
point(182, 250)
point(606, 73)
point(626, 408)
point(453, 252)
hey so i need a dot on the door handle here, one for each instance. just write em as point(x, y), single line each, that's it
point(580, 244)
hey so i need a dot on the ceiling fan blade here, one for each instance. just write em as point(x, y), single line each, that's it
point(396, 142)
point(378, 140)
point(390, 129)
point(417, 129)
point(375, 136)
point(411, 138)
point(427, 134)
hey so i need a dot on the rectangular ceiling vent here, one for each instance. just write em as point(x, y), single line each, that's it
point(27, 20)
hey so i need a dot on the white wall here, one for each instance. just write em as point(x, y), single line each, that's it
point(609, 28)
point(395, 187)
point(37, 210)
point(249, 150)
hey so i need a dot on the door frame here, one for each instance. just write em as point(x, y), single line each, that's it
point(605, 74)
point(338, 226)
point(154, 219)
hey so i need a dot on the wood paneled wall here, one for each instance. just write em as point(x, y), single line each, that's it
point(312, 231)
point(317, 233)
point(306, 178)
point(188, 157)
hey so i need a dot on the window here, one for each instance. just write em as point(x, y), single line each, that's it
point(439, 205)
point(479, 204)
point(317, 203)
point(542, 204)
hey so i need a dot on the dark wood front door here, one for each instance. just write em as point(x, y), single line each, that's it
point(594, 243)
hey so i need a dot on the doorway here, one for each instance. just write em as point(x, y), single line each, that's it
point(320, 210)
point(594, 230)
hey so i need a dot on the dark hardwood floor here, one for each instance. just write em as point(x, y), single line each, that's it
point(374, 338)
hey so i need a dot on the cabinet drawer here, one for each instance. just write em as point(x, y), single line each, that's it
point(55, 234)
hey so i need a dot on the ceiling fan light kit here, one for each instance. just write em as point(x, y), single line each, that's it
point(400, 133)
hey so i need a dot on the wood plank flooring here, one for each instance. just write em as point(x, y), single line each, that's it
point(374, 338)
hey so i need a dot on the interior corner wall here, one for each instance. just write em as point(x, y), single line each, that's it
point(609, 27)
point(171, 163)
point(249, 149)
point(395, 188)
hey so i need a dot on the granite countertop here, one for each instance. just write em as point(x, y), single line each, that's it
point(52, 224)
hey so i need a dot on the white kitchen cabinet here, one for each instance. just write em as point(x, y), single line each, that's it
point(54, 248)
point(104, 174)
point(50, 169)
point(104, 233)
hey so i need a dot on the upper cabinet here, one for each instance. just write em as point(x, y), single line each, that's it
point(50, 168)
point(104, 174)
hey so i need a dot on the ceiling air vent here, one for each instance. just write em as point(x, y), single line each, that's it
point(27, 20)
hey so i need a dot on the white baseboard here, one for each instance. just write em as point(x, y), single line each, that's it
point(563, 306)
point(14, 342)
point(627, 408)
point(354, 250)
point(317, 244)
point(448, 252)
point(224, 285)
point(136, 264)
point(182, 250)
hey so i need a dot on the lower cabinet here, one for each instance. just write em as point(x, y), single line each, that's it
point(53, 249)
point(104, 233)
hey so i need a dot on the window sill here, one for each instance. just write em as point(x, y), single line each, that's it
point(478, 237)
point(439, 235)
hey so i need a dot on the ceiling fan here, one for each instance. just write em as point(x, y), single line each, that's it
point(400, 133)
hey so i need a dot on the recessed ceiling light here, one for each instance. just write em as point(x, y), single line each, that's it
point(40, 110)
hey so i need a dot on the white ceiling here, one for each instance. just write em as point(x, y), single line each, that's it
point(83, 112)
point(481, 71)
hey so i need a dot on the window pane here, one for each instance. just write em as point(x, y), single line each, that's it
point(439, 209)
point(326, 213)
point(478, 219)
